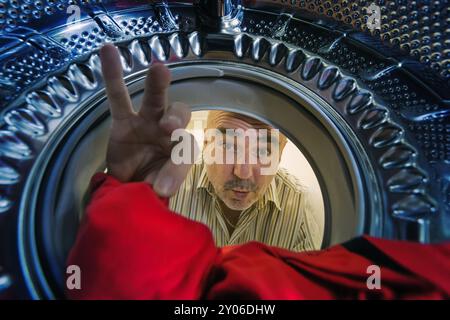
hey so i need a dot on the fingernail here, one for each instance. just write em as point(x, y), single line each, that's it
point(172, 121)
point(165, 185)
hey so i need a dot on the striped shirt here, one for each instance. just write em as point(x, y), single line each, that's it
point(282, 217)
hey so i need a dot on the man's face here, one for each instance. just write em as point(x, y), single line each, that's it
point(240, 184)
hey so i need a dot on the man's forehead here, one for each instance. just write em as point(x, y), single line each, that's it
point(229, 121)
point(224, 120)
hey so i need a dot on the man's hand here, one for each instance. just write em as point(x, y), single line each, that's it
point(139, 146)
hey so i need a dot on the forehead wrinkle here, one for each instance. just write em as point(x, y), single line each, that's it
point(219, 118)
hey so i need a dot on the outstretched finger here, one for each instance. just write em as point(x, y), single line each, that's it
point(116, 90)
point(155, 98)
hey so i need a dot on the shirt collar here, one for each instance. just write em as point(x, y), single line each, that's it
point(271, 195)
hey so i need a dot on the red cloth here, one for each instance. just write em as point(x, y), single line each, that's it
point(131, 246)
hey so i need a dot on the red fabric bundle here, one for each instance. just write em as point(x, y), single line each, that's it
point(131, 246)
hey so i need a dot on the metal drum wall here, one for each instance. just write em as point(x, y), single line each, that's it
point(376, 98)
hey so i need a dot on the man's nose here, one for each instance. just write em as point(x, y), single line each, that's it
point(243, 171)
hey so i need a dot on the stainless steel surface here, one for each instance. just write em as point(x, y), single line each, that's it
point(389, 110)
point(219, 9)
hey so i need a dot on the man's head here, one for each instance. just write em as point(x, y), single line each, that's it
point(240, 183)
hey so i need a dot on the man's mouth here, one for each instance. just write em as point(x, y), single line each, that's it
point(240, 194)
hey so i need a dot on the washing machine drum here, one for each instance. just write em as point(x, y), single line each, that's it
point(361, 89)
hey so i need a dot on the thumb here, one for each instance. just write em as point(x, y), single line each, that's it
point(174, 171)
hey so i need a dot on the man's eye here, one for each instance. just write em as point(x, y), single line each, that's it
point(263, 152)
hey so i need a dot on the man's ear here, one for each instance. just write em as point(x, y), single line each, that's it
point(204, 138)
point(282, 144)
